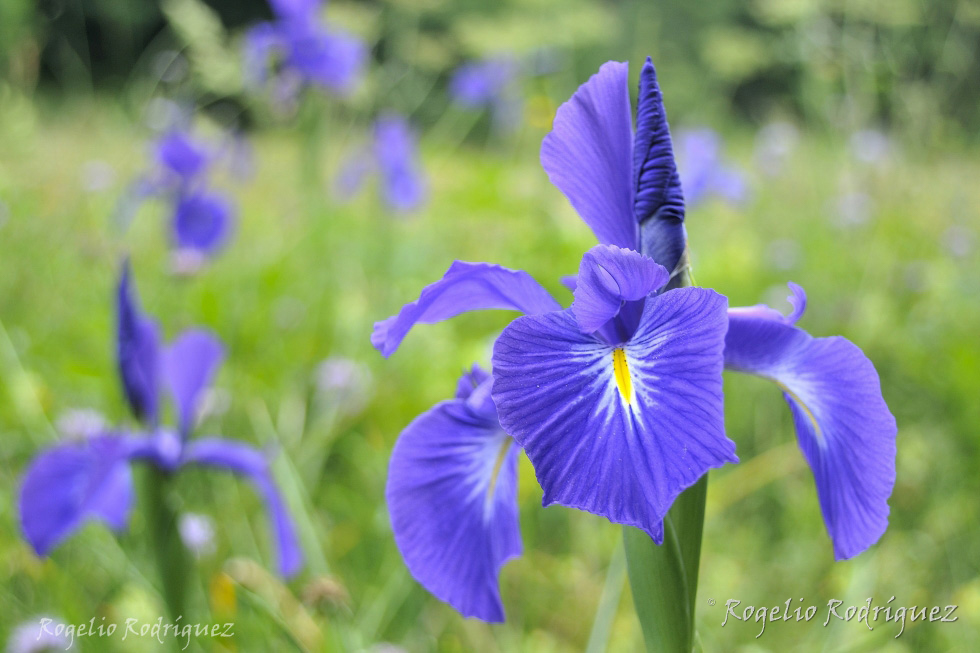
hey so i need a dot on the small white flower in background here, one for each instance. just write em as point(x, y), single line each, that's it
point(774, 144)
point(97, 176)
point(853, 209)
point(161, 114)
point(37, 635)
point(186, 262)
point(344, 384)
point(871, 146)
point(784, 254)
point(959, 241)
point(81, 424)
point(197, 533)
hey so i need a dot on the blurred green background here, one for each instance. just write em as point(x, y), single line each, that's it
point(855, 123)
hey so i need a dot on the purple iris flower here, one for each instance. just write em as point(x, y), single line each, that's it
point(702, 171)
point(307, 51)
point(202, 218)
point(488, 84)
point(393, 154)
point(617, 400)
point(74, 482)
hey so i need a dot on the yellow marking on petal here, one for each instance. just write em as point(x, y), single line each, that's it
point(806, 409)
point(621, 370)
point(501, 456)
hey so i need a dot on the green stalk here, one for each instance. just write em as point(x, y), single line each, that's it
point(171, 556)
point(664, 579)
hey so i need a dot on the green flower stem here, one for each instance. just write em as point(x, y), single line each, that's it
point(664, 579)
point(171, 555)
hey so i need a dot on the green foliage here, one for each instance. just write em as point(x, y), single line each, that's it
point(305, 279)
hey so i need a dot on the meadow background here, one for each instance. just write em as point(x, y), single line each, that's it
point(854, 123)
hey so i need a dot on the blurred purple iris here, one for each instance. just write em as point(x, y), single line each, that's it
point(617, 400)
point(393, 155)
point(74, 482)
point(489, 84)
point(202, 218)
point(304, 51)
point(702, 170)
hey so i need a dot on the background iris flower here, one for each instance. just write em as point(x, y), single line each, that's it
point(74, 482)
point(306, 51)
point(617, 400)
point(393, 155)
point(702, 171)
point(489, 83)
point(201, 220)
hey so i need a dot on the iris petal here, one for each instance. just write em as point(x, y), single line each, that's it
point(588, 155)
point(253, 464)
point(609, 276)
point(843, 424)
point(623, 451)
point(658, 204)
point(202, 221)
point(138, 351)
point(189, 364)
point(452, 495)
point(464, 287)
point(72, 483)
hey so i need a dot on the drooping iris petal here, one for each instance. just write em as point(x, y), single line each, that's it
point(618, 431)
point(202, 222)
point(659, 201)
point(137, 350)
point(189, 364)
point(253, 464)
point(464, 287)
point(588, 155)
point(609, 276)
point(72, 483)
point(452, 496)
point(843, 424)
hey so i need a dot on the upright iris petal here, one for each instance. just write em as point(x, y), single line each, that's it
point(843, 424)
point(393, 154)
point(396, 153)
point(618, 429)
point(614, 278)
point(452, 495)
point(189, 363)
point(588, 155)
point(137, 351)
